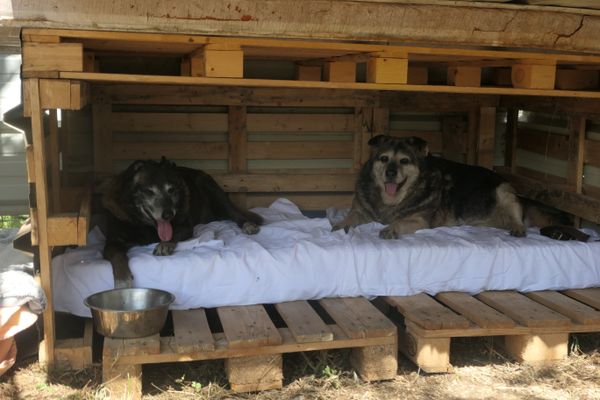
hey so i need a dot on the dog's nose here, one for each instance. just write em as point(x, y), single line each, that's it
point(167, 214)
point(390, 173)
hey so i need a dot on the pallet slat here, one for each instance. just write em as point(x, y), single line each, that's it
point(169, 122)
point(523, 310)
point(358, 318)
point(248, 326)
point(591, 296)
point(476, 311)
point(565, 305)
point(192, 332)
point(427, 313)
point(303, 322)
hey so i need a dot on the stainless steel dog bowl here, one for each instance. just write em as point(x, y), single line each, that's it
point(130, 312)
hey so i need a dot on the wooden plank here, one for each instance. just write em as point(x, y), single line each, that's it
point(546, 143)
point(433, 138)
point(565, 305)
point(554, 195)
point(317, 202)
point(39, 150)
point(575, 154)
point(215, 61)
point(426, 312)
point(486, 137)
point(300, 123)
point(299, 150)
point(308, 72)
point(592, 152)
point(522, 309)
point(102, 132)
point(172, 150)
point(453, 138)
point(363, 117)
point(192, 332)
point(84, 216)
point(473, 121)
point(53, 159)
point(471, 308)
point(358, 318)
point(168, 122)
point(222, 350)
point(286, 182)
point(539, 349)
point(238, 139)
point(511, 144)
point(276, 83)
point(303, 322)
point(62, 230)
point(52, 57)
point(590, 296)
point(248, 326)
point(251, 374)
point(55, 93)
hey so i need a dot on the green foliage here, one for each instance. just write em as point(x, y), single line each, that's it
point(12, 221)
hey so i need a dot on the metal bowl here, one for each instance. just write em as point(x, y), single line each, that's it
point(130, 312)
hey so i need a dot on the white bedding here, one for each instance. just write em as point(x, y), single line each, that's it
point(295, 257)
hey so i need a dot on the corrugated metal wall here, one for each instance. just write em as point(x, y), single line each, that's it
point(13, 176)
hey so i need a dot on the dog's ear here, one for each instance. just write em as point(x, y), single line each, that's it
point(420, 146)
point(135, 166)
point(378, 140)
point(164, 161)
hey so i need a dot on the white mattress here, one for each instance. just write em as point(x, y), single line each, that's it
point(295, 257)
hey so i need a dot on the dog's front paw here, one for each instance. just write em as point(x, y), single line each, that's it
point(164, 249)
point(250, 228)
point(518, 231)
point(340, 225)
point(388, 233)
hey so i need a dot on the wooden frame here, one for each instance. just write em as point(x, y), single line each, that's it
point(69, 86)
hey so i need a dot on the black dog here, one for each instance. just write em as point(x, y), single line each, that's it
point(160, 202)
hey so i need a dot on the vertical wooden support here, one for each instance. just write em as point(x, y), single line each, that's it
point(375, 363)
point(454, 146)
point(124, 381)
point(340, 71)
point(362, 134)
point(387, 70)
point(238, 147)
point(432, 355)
point(308, 72)
point(381, 121)
point(251, 374)
point(39, 154)
point(538, 349)
point(486, 137)
point(537, 74)
point(464, 75)
point(101, 125)
point(472, 136)
point(54, 161)
point(512, 128)
point(576, 159)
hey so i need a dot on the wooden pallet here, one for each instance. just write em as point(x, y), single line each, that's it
point(252, 345)
point(76, 56)
point(535, 326)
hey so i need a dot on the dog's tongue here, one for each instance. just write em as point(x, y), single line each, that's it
point(165, 230)
point(390, 188)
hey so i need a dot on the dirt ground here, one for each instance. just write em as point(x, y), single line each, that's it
point(481, 371)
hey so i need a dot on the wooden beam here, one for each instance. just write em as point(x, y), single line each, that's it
point(575, 155)
point(486, 137)
point(506, 25)
point(39, 150)
point(103, 141)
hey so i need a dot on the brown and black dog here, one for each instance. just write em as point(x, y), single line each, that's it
point(159, 202)
point(405, 188)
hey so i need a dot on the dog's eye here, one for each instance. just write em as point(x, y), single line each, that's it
point(171, 190)
point(404, 160)
point(384, 159)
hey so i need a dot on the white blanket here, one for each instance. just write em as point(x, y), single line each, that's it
point(295, 257)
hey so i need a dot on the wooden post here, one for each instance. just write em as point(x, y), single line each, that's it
point(41, 183)
point(486, 137)
point(375, 363)
point(464, 75)
point(54, 162)
point(251, 374)
point(512, 128)
point(576, 155)
point(472, 136)
point(454, 146)
point(101, 121)
point(432, 355)
point(340, 71)
point(238, 147)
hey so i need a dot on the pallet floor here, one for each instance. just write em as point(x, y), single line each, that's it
point(252, 340)
point(535, 326)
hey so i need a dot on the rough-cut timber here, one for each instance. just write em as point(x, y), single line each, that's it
point(426, 21)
